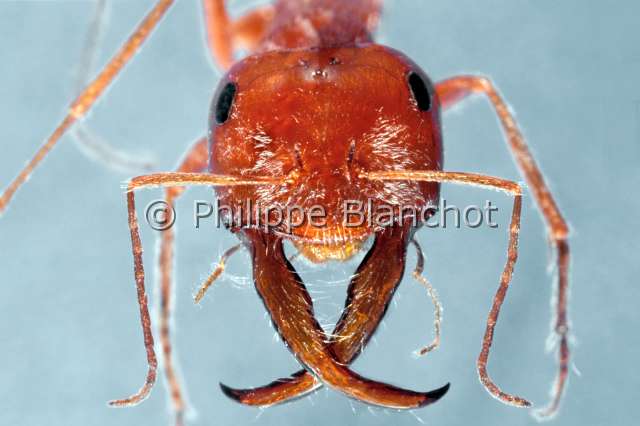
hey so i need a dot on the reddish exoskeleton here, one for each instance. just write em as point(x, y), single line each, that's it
point(320, 115)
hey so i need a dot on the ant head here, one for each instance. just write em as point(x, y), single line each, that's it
point(320, 118)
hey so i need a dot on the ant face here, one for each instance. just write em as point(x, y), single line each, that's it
point(319, 119)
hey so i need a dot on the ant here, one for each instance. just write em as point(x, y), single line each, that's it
point(318, 114)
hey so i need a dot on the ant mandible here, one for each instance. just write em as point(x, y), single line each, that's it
point(318, 114)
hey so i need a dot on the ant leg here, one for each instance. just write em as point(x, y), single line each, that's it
point(511, 188)
point(162, 180)
point(92, 41)
point(216, 272)
point(89, 95)
point(370, 291)
point(291, 311)
point(454, 90)
point(92, 145)
point(224, 35)
point(437, 307)
point(98, 149)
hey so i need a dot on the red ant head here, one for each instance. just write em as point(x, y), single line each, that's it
point(319, 119)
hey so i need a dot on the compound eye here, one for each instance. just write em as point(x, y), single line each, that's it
point(225, 102)
point(420, 90)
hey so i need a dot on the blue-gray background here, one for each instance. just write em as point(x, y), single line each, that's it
point(69, 329)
